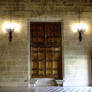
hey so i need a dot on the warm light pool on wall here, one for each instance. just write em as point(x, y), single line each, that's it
point(10, 28)
point(80, 27)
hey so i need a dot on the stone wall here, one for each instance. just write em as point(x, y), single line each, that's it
point(76, 55)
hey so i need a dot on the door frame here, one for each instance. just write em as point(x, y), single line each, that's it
point(29, 54)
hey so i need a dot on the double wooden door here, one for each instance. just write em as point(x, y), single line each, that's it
point(46, 57)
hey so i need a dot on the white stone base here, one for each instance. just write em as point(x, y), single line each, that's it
point(43, 82)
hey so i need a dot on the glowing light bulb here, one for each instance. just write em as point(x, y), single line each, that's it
point(81, 26)
point(12, 26)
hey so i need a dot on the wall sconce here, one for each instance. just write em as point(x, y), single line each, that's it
point(10, 28)
point(80, 28)
point(10, 31)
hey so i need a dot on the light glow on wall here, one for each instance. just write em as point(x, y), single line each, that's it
point(8, 25)
point(79, 26)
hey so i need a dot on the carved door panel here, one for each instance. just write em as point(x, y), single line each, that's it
point(46, 49)
point(53, 49)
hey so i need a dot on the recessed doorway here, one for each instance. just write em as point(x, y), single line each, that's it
point(46, 50)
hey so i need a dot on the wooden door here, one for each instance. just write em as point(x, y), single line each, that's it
point(45, 49)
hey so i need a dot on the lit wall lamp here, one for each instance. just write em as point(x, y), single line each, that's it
point(10, 31)
point(10, 28)
point(80, 28)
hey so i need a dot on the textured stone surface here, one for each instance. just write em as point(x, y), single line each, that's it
point(76, 55)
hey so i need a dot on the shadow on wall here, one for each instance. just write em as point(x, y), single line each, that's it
point(90, 68)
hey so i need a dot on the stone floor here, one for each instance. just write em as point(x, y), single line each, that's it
point(47, 89)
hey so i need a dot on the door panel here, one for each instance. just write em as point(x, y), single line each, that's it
point(53, 34)
point(37, 34)
point(45, 50)
point(41, 59)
